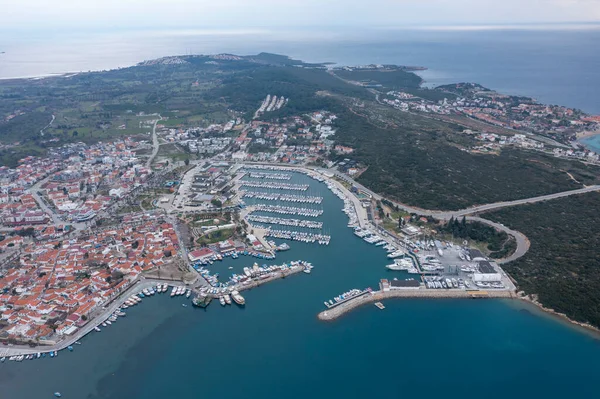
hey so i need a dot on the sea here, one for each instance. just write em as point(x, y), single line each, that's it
point(275, 347)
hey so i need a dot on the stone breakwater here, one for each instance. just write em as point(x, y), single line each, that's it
point(340, 310)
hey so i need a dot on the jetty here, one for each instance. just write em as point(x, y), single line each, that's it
point(422, 293)
point(274, 186)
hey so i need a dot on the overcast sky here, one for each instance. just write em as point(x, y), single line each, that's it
point(242, 14)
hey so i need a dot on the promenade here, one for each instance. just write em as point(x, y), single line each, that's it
point(422, 293)
point(96, 319)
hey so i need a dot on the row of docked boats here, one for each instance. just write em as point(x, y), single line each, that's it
point(257, 272)
point(271, 176)
point(180, 290)
point(322, 239)
point(274, 186)
point(369, 236)
point(308, 224)
point(287, 210)
point(303, 199)
point(346, 296)
point(406, 264)
point(439, 282)
point(204, 299)
point(32, 356)
point(234, 254)
point(348, 208)
point(111, 319)
point(131, 301)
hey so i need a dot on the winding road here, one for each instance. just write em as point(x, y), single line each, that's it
point(155, 144)
point(521, 240)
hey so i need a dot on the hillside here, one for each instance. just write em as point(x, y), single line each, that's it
point(562, 266)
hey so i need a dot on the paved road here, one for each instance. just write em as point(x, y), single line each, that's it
point(521, 240)
point(56, 220)
point(96, 318)
point(498, 205)
point(155, 144)
point(47, 126)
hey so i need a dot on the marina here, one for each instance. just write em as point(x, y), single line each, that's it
point(345, 297)
point(309, 224)
point(302, 199)
point(272, 176)
point(339, 310)
point(322, 239)
point(287, 210)
point(164, 318)
point(274, 186)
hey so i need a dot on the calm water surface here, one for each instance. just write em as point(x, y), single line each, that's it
point(554, 66)
point(275, 347)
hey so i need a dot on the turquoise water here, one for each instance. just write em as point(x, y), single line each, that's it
point(276, 348)
point(592, 143)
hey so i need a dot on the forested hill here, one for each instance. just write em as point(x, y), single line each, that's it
point(562, 265)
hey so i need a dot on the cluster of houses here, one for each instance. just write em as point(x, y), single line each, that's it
point(89, 180)
point(513, 112)
point(53, 288)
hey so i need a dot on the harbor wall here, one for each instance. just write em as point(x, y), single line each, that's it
point(340, 310)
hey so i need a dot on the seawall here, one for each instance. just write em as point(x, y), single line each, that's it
point(340, 310)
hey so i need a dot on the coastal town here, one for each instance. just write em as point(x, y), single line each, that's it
point(526, 122)
point(91, 230)
point(81, 263)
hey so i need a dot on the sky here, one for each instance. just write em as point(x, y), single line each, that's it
point(23, 15)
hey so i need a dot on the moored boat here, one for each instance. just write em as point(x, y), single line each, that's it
point(238, 298)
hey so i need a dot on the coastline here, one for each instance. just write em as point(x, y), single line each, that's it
point(589, 328)
point(341, 310)
point(587, 134)
point(428, 294)
point(135, 287)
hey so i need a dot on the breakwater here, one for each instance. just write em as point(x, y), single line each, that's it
point(375, 296)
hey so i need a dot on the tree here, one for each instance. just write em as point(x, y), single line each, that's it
point(186, 161)
point(216, 203)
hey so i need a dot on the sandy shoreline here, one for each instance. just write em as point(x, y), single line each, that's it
point(587, 134)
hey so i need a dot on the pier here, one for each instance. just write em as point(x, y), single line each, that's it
point(272, 176)
point(274, 186)
point(309, 224)
point(274, 276)
point(422, 293)
point(303, 199)
point(287, 210)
